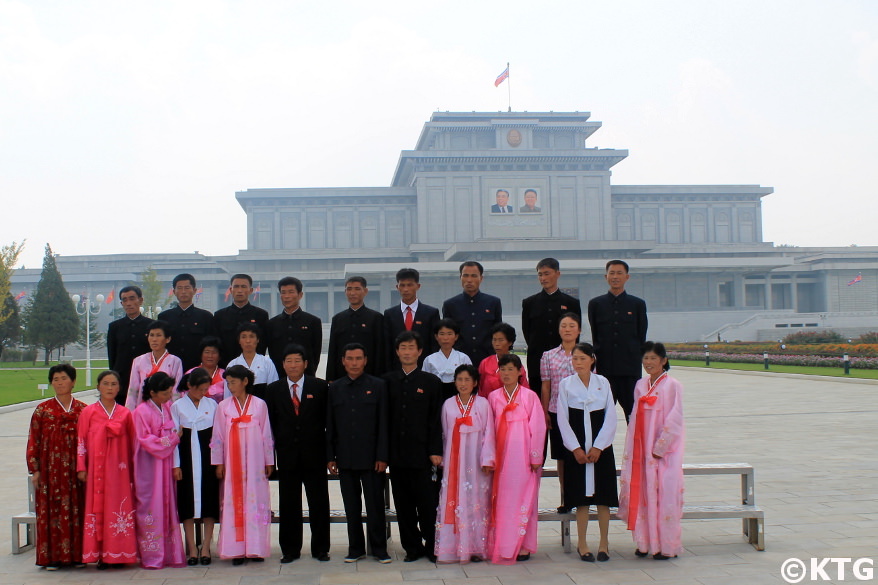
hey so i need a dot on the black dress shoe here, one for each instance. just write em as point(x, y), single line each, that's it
point(522, 558)
point(602, 556)
point(257, 559)
point(322, 557)
point(660, 557)
point(640, 553)
point(475, 559)
point(102, 566)
point(587, 557)
point(411, 557)
point(205, 560)
point(288, 559)
point(192, 561)
point(237, 562)
point(564, 509)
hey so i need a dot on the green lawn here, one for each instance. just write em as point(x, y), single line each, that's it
point(837, 372)
point(18, 381)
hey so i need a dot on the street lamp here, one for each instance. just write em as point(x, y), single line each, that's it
point(89, 308)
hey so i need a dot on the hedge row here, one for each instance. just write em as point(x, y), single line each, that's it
point(861, 363)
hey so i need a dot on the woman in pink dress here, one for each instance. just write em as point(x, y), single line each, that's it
point(651, 498)
point(106, 466)
point(520, 431)
point(465, 499)
point(158, 524)
point(502, 340)
point(242, 449)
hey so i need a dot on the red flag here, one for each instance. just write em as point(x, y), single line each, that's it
point(110, 297)
point(228, 292)
point(502, 77)
point(20, 295)
point(170, 292)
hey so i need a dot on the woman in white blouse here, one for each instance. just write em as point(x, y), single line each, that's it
point(587, 422)
point(444, 362)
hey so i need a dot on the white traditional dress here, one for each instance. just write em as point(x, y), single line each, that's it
point(198, 491)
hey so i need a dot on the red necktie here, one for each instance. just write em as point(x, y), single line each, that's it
point(296, 400)
point(408, 318)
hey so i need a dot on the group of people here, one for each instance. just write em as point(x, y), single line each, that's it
point(442, 402)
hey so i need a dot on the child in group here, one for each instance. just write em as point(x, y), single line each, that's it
point(264, 372)
point(51, 461)
point(242, 449)
point(587, 424)
point(197, 484)
point(502, 340)
point(106, 467)
point(520, 433)
point(444, 362)
point(157, 360)
point(158, 524)
point(465, 499)
point(652, 469)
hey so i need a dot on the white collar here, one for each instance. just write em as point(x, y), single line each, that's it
point(414, 306)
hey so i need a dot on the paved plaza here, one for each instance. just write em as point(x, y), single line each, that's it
point(811, 441)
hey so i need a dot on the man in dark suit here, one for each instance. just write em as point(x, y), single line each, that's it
point(189, 324)
point(618, 331)
point(475, 312)
point(356, 324)
point(502, 205)
point(415, 447)
point(227, 319)
point(297, 411)
point(410, 315)
point(540, 315)
point(358, 451)
point(126, 338)
point(294, 325)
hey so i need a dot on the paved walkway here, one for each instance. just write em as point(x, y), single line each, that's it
point(811, 441)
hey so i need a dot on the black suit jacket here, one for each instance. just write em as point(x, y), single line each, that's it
point(188, 328)
point(226, 322)
point(618, 331)
point(299, 440)
point(126, 339)
point(425, 319)
point(357, 427)
point(475, 315)
point(300, 327)
point(364, 326)
point(540, 315)
point(498, 209)
point(415, 418)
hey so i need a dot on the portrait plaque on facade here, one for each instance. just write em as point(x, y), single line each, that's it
point(513, 137)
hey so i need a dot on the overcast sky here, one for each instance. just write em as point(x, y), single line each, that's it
point(128, 127)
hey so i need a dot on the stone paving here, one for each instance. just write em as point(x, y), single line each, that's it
point(810, 440)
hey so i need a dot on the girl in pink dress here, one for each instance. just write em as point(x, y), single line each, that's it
point(651, 498)
point(105, 465)
point(465, 499)
point(520, 432)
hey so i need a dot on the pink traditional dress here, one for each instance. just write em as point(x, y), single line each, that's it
point(520, 430)
point(651, 498)
point(158, 524)
point(145, 366)
point(242, 441)
point(51, 450)
point(217, 384)
point(465, 499)
point(106, 449)
point(489, 376)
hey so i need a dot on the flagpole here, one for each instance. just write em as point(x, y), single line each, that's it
point(509, 85)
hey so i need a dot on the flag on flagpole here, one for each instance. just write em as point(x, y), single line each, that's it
point(20, 295)
point(228, 292)
point(859, 278)
point(256, 292)
point(170, 292)
point(502, 77)
point(199, 292)
point(110, 296)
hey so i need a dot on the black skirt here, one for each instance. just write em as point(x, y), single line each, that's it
point(605, 489)
point(209, 482)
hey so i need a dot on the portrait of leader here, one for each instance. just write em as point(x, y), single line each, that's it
point(502, 204)
point(530, 202)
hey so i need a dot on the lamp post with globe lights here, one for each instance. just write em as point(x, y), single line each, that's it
point(89, 308)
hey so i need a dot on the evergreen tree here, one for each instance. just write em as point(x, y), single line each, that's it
point(50, 319)
point(96, 337)
point(152, 291)
point(10, 328)
point(8, 257)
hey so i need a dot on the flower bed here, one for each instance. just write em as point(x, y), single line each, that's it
point(786, 359)
point(861, 350)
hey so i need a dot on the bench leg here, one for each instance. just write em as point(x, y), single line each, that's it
point(29, 537)
point(756, 532)
point(565, 535)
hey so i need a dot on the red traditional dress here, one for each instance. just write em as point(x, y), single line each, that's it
point(489, 376)
point(51, 450)
point(106, 449)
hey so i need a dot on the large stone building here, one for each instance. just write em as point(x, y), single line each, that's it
point(508, 189)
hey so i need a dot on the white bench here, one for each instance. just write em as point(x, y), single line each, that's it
point(29, 520)
point(752, 516)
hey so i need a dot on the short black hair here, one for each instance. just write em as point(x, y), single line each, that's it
point(470, 369)
point(251, 327)
point(509, 358)
point(294, 349)
point(549, 263)
point(471, 263)
point(408, 274)
point(181, 277)
point(106, 373)
point(156, 383)
point(617, 263)
point(131, 288)
point(159, 324)
point(290, 281)
point(506, 329)
point(240, 372)
point(501, 191)
point(658, 348)
point(246, 277)
point(62, 369)
point(357, 279)
point(571, 315)
point(353, 347)
point(197, 377)
point(210, 341)
point(408, 336)
point(446, 324)
point(534, 191)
